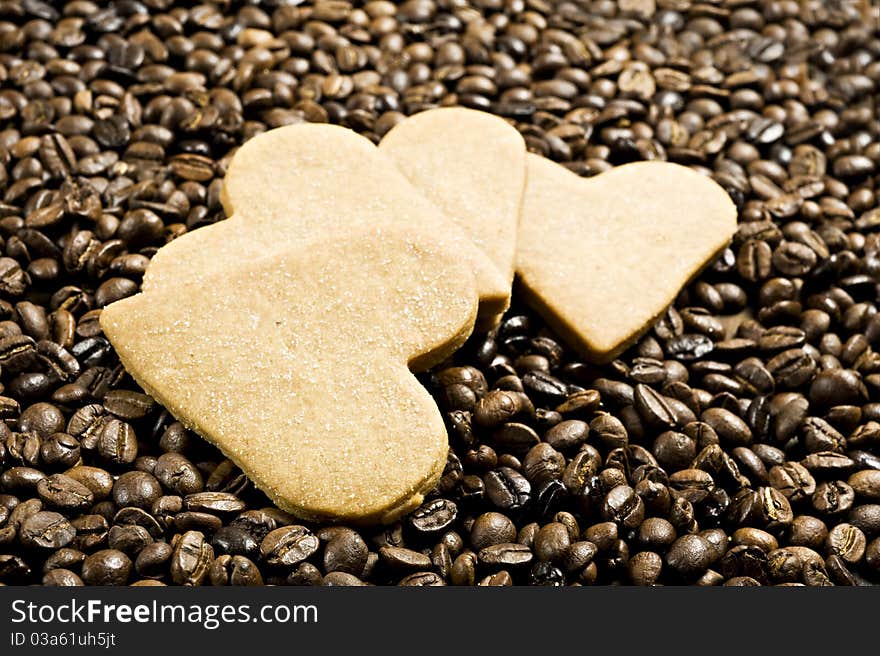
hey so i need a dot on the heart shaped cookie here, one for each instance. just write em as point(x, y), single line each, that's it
point(304, 182)
point(471, 165)
point(602, 258)
point(297, 365)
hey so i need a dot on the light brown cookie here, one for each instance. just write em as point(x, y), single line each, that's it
point(297, 366)
point(277, 189)
point(601, 258)
point(471, 165)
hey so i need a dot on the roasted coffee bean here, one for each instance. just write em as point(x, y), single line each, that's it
point(674, 450)
point(46, 530)
point(213, 502)
point(515, 437)
point(689, 555)
point(106, 567)
point(848, 542)
point(191, 558)
point(234, 570)
point(41, 418)
point(506, 554)
point(177, 474)
point(136, 488)
point(62, 578)
point(507, 489)
point(499, 406)
point(127, 405)
point(866, 484)
point(645, 567)
point(833, 497)
point(624, 507)
point(288, 546)
point(653, 408)
point(21, 479)
point(234, 541)
point(98, 481)
point(491, 528)
point(60, 451)
point(65, 493)
point(91, 532)
point(567, 435)
point(434, 516)
point(345, 552)
point(117, 442)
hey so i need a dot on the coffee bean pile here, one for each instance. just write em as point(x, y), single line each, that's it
point(737, 443)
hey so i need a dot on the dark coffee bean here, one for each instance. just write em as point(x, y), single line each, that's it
point(624, 507)
point(746, 561)
point(498, 407)
point(835, 387)
point(41, 418)
point(833, 497)
point(131, 516)
point(234, 570)
point(130, 539)
point(828, 462)
point(567, 434)
point(645, 567)
point(434, 516)
point(190, 559)
point(60, 451)
point(46, 530)
point(62, 578)
point(507, 489)
point(552, 542)
point(728, 426)
point(98, 481)
point(196, 521)
point(177, 474)
point(345, 552)
point(117, 442)
point(848, 542)
point(544, 387)
point(402, 559)
point(674, 450)
point(653, 408)
point(689, 555)
point(65, 493)
point(106, 567)
point(128, 405)
point(819, 435)
point(792, 368)
point(866, 484)
point(695, 485)
point(793, 480)
point(20, 479)
point(866, 517)
point(136, 488)
point(234, 541)
point(288, 546)
point(214, 502)
point(515, 437)
point(508, 554)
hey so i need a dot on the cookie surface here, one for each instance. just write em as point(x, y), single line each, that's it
point(297, 366)
point(472, 166)
point(311, 181)
point(602, 258)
